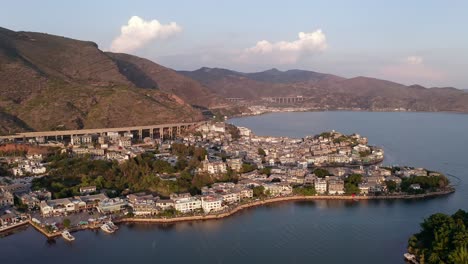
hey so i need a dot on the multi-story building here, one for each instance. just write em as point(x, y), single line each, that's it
point(336, 187)
point(235, 164)
point(215, 167)
point(187, 204)
point(320, 185)
point(6, 199)
point(211, 203)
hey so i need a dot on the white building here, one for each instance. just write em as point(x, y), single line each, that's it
point(320, 185)
point(187, 204)
point(211, 203)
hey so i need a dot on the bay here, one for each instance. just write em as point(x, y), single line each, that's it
point(295, 232)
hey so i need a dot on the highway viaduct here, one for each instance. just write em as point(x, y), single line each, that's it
point(153, 131)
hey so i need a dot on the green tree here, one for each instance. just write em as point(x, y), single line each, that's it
point(391, 186)
point(259, 191)
point(352, 182)
point(321, 173)
point(246, 167)
point(66, 223)
point(304, 190)
point(442, 239)
point(266, 171)
point(261, 152)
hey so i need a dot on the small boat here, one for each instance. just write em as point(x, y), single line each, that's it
point(112, 225)
point(67, 236)
point(410, 258)
point(106, 228)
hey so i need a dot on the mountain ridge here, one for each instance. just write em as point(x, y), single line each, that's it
point(328, 91)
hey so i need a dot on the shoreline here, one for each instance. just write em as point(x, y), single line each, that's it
point(230, 117)
point(239, 208)
point(294, 198)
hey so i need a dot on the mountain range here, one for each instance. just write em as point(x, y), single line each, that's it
point(326, 91)
point(51, 82)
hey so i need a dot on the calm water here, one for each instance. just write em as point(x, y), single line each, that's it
point(302, 232)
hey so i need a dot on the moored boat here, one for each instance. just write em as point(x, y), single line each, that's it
point(67, 236)
point(106, 228)
point(112, 225)
point(410, 258)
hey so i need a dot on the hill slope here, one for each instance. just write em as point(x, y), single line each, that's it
point(49, 82)
point(147, 74)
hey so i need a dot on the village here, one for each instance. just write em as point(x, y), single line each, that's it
point(241, 168)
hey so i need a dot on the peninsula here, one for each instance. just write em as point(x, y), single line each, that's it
point(209, 170)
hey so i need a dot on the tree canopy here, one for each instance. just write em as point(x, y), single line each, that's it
point(442, 239)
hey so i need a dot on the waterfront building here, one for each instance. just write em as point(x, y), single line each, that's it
point(336, 186)
point(320, 185)
point(111, 205)
point(211, 203)
point(187, 204)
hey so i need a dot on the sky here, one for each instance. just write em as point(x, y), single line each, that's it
point(411, 42)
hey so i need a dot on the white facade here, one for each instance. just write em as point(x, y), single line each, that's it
point(320, 186)
point(211, 203)
point(187, 204)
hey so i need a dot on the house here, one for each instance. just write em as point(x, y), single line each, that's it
point(320, 185)
point(235, 164)
point(336, 187)
point(364, 188)
point(6, 199)
point(111, 205)
point(58, 206)
point(34, 199)
point(87, 189)
point(187, 204)
point(415, 186)
point(165, 204)
point(211, 203)
point(143, 204)
point(92, 201)
point(277, 189)
point(215, 167)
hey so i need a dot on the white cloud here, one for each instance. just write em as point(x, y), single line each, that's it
point(414, 60)
point(138, 32)
point(285, 52)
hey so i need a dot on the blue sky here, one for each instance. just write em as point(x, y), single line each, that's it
point(420, 41)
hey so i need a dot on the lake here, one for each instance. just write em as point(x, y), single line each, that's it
point(295, 232)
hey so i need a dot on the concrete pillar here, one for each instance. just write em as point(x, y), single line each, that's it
point(140, 134)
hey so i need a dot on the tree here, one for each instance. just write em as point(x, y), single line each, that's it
point(66, 223)
point(391, 186)
point(352, 184)
point(442, 239)
point(248, 167)
point(259, 191)
point(266, 171)
point(261, 152)
point(304, 190)
point(321, 173)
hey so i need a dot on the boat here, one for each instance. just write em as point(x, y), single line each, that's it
point(112, 225)
point(410, 258)
point(106, 228)
point(67, 236)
